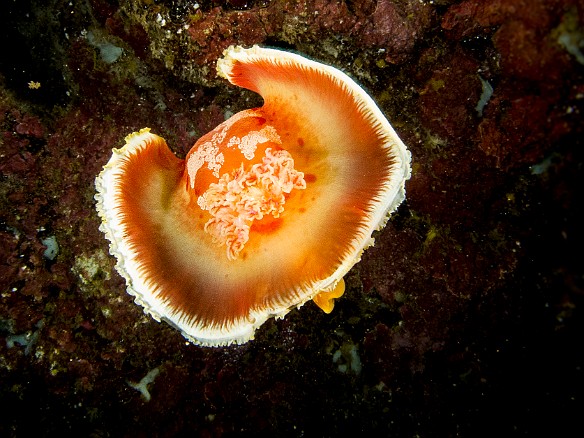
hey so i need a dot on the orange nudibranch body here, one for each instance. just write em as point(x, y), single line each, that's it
point(267, 211)
point(242, 174)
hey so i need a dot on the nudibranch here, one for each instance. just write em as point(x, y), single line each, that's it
point(269, 210)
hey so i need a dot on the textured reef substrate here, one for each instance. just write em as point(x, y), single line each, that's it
point(465, 318)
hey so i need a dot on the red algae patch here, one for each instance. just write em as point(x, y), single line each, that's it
point(269, 210)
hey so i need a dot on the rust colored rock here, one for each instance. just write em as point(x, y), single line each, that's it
point(472, 17)
point(218, 29)
point(450, 96)
point(523, 55)
point(394, 26)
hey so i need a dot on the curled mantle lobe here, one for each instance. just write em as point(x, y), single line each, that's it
point(267, 211)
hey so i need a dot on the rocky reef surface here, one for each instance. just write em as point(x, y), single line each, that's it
point(464, 319)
